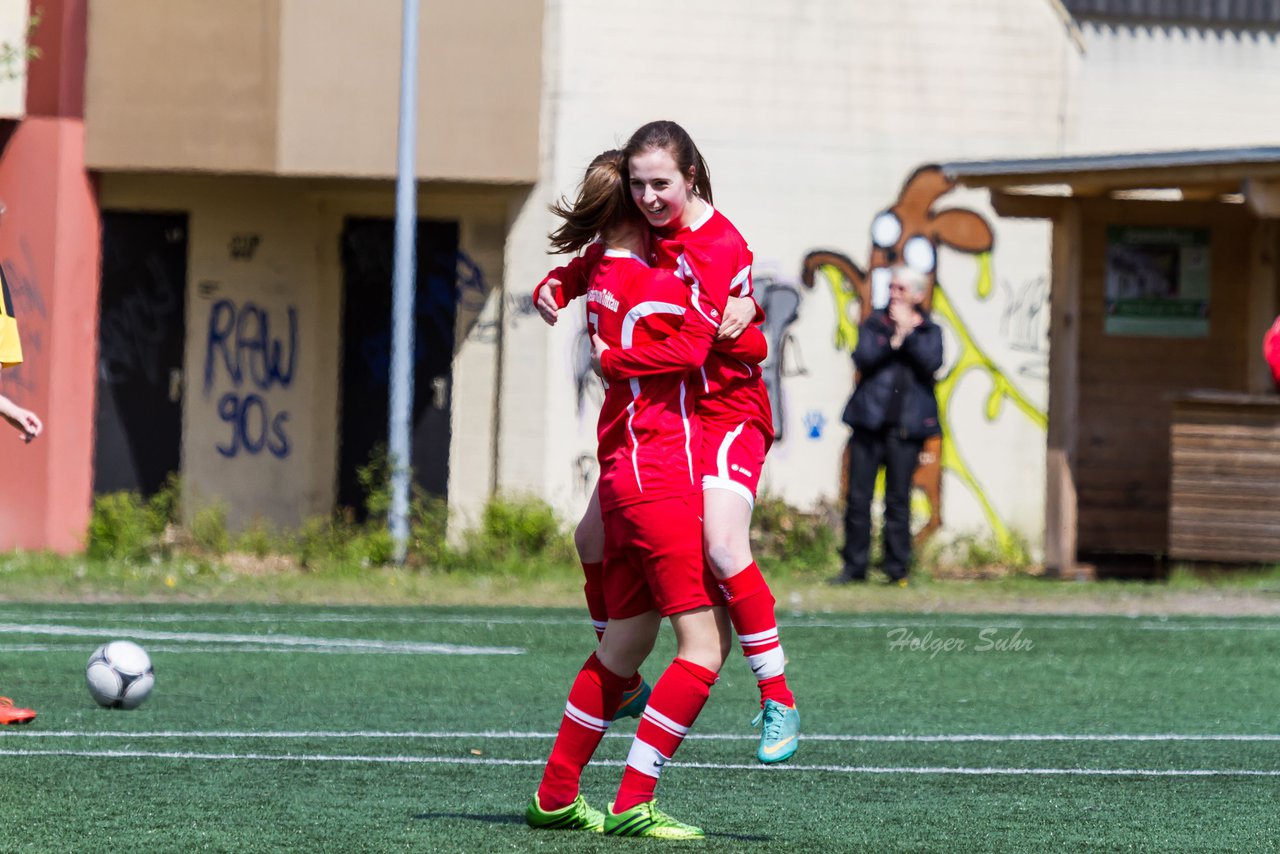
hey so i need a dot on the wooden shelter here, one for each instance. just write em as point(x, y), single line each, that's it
point(1164, 425)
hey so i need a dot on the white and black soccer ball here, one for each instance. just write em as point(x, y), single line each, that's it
point(120, 675)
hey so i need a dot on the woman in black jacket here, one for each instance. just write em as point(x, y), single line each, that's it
point(892, 411)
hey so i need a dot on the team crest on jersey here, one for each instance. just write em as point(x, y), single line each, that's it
point(603, 296)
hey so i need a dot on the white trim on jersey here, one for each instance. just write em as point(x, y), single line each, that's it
point(721, 479)
point(635, 446)
point(623, 253)
point(743, 277)
point(634, 316)
point(688, 433)
point(722, 455)
point(710, 481)
point(685, 272)
point(705, 218)
point(642, 310)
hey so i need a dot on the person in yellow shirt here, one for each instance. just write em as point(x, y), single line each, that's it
point(24, 420)
point(28, 424)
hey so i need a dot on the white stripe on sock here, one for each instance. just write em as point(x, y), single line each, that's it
point(583, 719)
point(661, 721)
point(757, 638)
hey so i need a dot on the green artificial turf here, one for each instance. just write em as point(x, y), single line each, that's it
point(306, 728)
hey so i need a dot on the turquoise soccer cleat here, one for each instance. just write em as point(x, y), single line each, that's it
point(780, 732)
point(633, 702)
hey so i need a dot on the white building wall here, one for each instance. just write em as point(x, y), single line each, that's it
point(1163, 87)
point(812, 115)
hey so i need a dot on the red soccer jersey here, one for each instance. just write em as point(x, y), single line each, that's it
point(648, 437)
point(714, 260)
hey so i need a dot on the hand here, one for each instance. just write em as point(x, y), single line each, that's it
point(597, 352)
point(546, 302)
point(738, 314)
point(904, 317)
point(26, 421)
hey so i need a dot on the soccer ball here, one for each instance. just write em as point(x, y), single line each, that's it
point(120, 675)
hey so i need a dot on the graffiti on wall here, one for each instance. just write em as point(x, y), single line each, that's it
point(780, 300)
point(256, 352)
point(911, 232)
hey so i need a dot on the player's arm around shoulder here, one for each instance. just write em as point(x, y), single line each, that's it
point(683, 350)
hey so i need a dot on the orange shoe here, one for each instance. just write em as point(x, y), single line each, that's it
point(10, 714)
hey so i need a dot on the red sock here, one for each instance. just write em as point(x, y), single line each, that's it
point(751, 610)
point(676, 701)
point(594, 590)
point(593, 699)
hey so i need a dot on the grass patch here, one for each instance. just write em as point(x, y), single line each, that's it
point(297, 728)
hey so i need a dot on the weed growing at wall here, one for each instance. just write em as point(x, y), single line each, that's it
point(125, 526)
point(977, 556)
point(790, 542)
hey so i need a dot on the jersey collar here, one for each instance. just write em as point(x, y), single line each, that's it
point(705, 218)
point(622, 253)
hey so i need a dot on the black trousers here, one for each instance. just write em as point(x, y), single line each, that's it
point(868, 452)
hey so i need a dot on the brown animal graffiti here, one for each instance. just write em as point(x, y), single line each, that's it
point(910, 232)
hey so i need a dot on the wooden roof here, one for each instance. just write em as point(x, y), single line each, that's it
point(1249, 175)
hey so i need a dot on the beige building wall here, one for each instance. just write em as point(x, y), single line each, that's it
point(311, 87)
point(295, 272)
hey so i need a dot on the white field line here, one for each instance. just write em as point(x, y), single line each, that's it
point(192, 648)
point(1056, 623)
point(289, 641)
point(958, 738)
point(709, 766)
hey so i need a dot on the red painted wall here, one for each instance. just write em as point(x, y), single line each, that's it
point(50, 249)
point(55, 81)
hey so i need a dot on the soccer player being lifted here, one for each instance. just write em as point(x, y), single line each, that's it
point(670, 185)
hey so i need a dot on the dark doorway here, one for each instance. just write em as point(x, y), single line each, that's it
point(141, 334)
point(368, 248)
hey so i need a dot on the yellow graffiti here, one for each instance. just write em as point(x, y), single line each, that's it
point(846, 299)
point(971, 358)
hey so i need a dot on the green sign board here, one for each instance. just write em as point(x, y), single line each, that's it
point(1157, 282)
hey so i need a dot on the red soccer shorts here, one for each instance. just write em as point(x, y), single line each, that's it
point(653, 558)
point(732, 457)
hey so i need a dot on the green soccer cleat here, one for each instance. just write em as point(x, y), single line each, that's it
point(579, 815)
point(780, 734)
point(647, 820)
point(633, 702)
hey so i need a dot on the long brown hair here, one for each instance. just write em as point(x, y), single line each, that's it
point(676, 141)
point(603, 203)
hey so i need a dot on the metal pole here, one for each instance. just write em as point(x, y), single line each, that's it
point(403, 286)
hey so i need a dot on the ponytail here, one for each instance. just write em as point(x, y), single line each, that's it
point(603, 203)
